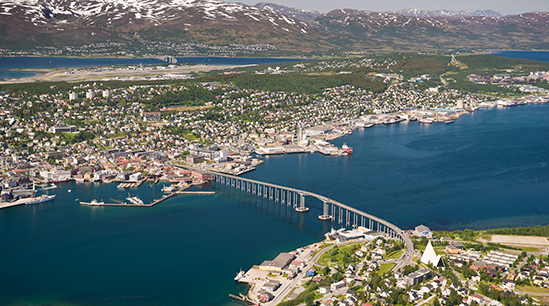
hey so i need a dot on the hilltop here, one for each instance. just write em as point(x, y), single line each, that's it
point(206, 27)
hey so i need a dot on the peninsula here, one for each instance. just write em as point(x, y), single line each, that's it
point(210, 127)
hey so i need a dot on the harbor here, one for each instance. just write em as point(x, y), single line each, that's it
point(135, 201)
point(66, 231)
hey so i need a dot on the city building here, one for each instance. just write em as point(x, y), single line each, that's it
point(277, 264)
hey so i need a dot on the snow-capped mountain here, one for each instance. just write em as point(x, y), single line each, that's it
point(444, 13)
point(289, 11)
point(73, 22)
point(410, 32)
point(61, 12)
point(137, 24)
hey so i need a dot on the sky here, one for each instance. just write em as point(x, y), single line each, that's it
point(505, 7)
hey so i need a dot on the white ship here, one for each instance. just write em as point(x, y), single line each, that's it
point(168, 189)
point(134, 200)
point(41, 199)
point(52, 186)
point(239, 275)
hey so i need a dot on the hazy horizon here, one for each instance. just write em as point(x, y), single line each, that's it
point(503, 7)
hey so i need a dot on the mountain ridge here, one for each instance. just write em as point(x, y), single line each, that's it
point(415, 12)
point(135, 25)
point(290, 11)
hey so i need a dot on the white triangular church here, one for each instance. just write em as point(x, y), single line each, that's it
point(430, 256)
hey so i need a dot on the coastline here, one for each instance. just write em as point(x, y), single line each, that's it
point(159, 56)
point(233, 266)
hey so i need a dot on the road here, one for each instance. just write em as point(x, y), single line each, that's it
point(299, 279)
point(313, 261)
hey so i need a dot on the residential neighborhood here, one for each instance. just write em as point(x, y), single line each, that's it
point(357, 267)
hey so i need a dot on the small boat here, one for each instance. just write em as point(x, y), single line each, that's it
point(347, 149)
point(168, 189)
point(95, 202)
point(52, 186)
point(69, 190)
point(239, 275)
point(134, 200)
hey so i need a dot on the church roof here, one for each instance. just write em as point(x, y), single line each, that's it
point(430, 256)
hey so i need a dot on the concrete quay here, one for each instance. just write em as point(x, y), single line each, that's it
point(15, 203)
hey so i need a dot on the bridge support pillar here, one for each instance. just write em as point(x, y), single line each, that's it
point(302, 207)
point(325, 215)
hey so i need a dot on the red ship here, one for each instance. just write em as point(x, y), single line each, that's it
point(347, 149)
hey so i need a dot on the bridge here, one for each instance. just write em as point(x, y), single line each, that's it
point(331, 210)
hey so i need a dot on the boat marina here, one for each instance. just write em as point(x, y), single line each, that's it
point(135, 201)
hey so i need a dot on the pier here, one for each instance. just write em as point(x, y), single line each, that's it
point(196, 192)
point(155, 202)
point(131, 184)
point(242, 298)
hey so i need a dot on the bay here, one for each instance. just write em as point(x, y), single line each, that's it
point(71, 62)
point(534, 55)
point(488, 169)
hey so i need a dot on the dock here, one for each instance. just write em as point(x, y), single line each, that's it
point(242, 298)
point(131, 184)
point(122, 204)
point(196, 192)
point(118, 203)
point(15, 203)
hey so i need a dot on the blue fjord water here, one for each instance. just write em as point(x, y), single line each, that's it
point(535, 55)
point(7, 63)
point(488, 169)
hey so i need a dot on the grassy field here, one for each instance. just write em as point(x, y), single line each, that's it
point(328, 260)
point(321, 247)
point(384, 268)
point(395, 255)
point(533, 289)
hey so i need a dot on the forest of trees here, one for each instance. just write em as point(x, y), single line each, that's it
point(298, 83)
point(496, 62)
point(193, 96)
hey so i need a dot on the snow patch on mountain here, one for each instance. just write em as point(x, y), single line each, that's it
point(415, 12)
point(52, 12)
